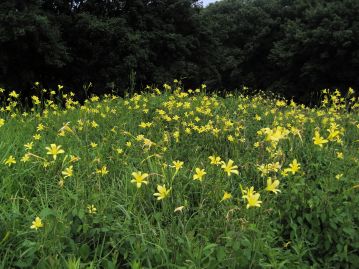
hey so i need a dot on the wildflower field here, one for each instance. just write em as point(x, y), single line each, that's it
point(175, 178)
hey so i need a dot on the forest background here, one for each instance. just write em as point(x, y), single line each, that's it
point(292, 47)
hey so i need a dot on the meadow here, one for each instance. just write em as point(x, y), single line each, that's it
point(178, 178)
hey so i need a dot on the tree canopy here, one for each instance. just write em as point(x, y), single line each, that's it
point(295, 47)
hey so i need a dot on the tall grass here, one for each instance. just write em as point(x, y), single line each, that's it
point(303, 163)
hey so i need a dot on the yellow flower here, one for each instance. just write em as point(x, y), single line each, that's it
point(25, 158)
point(28, 146)
point(340, 155)
point(139, 178)
point(54, 150)
point(230, 168)
point(94, 98)
point(91, 209)
point(180, 208)
point(37, 223)
point(68, 172)
point(178, 165)
point(148, 143)
point(93, 145)
point(61, 183)
point(145, 124)
point(293, 167)
point(119, 151)
point(37, 136)
point(66, 128)
point(40, 127)
point(74, 158)
point(140, 137)
point(2, 122)
point(216, 160)
point(318, 140)
point(9, 161)
point(333, 131)
point(226, 196)
point(162, 192)
point(280, 103)
point(176, 135)
point(252, 197)
point(275, 134)
point(142, 125)
point(14, 94)
point(199, 174)
point(230, 138)
point(272, 186)
point(102, 171)
point(284, 173)
point(94, 124)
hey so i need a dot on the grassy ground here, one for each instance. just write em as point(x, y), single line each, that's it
point(178, 179)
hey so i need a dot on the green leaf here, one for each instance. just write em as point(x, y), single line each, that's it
point(47, 212)
point(84, 251)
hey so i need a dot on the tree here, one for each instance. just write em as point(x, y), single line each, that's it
point(318, 48)
point(31, 44)
point(295, 47)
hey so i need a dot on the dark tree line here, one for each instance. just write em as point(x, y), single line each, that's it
point(295, 47)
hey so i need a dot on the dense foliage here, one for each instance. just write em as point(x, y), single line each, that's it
point(173, 178)
point(292, 46)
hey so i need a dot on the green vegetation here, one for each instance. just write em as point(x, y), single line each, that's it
point(174, 178)
point(295, 47)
